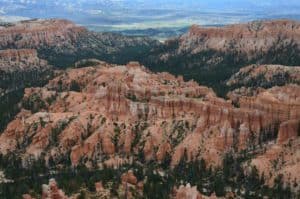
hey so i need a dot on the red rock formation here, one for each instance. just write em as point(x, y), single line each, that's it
point(289, 129)
point(99, 186)
point(108, 114)
point(61, 42)
point(188, 192)
point(21, 67)
point(12, 55)
point(265, 76)
point(34, 33)
point(129, 178)
point(101, 192)
point(279, 103)
point(211, 54)
point(247, 38)
point(52, 191)
point(284, 159)
point(129, 183)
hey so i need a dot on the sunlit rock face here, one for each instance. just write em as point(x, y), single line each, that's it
point(253, 42)
point(289, 129)
point(25, 47)
point(259, 36)
point(189, 192)
point(51, 191)
point(211, 55)
point(111, 115)
point(103, 115)
point(34, 33)
point(279, 103)
point(280, 159)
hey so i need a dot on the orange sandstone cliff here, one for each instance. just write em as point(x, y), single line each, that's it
point(106, 115)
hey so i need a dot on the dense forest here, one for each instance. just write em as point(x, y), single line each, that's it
point(231, 177)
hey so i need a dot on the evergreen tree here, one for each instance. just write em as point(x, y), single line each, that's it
point(219, 185)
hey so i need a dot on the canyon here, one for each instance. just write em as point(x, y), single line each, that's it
point(210, 55)
point(108, 116)
point(74, 106)
point(28, 48)
point(62, 43)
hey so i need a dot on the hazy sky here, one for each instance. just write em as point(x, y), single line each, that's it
point(150, 13)
point(178, 4)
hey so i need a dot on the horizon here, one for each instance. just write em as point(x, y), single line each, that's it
point(118, 13)
point(171, 99)
point(159, 19)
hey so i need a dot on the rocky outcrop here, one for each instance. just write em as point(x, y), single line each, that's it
point(280, 103)
point(106, 115)
point(129, 183)
point(237, 93)
point(101, 192)
point(101, 115)
point(36, 33)
point(19, 69)
point(288, 130)
point(280, 160)
point(62, 43)
point(109, 116)
point(188, 192)
point(211, 55)
point(129, 178)
point(26, 44)
point(3, 179)
point(248, 39)
point(265, 76)
point(50, 191)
